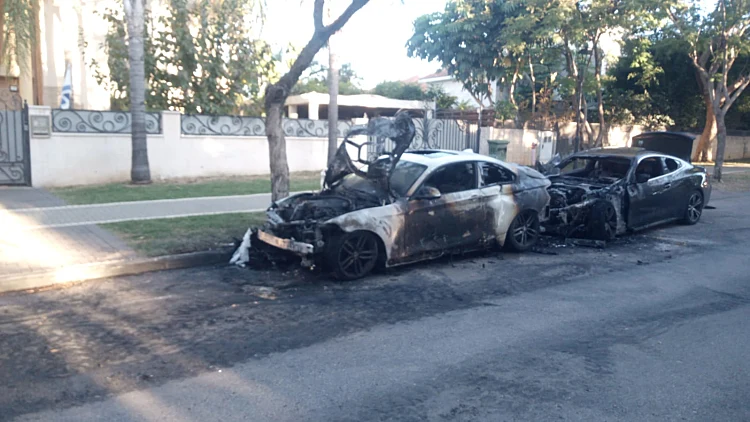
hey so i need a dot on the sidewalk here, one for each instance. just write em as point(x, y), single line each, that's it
point(81, 215)
point(39, 233)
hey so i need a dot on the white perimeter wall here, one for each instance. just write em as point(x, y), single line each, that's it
point(67, 159)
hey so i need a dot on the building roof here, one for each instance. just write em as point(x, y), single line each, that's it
point(361, 100)
point(441, 75)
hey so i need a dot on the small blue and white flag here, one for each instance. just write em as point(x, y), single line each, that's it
point(67, 89)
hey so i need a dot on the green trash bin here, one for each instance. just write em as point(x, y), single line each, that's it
point(498, 149)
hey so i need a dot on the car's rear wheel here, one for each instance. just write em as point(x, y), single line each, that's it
point(694, 208)
point(353, 255)
point(602, 221)
point(523, 232)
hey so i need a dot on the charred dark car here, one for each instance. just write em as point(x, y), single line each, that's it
point(601, 193)
point(404, 207)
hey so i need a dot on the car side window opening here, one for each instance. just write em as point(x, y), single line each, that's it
point(492, 174)
point(672, 165)
point(651, 166)
point(453, 178)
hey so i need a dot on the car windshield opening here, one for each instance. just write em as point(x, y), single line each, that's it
point(596, 168)
point(402, 178)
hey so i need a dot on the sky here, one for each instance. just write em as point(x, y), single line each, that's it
point(373, 41)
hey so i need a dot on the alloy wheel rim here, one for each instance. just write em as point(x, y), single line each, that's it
point(695, 207)
point(357, 254)
point(525, 231)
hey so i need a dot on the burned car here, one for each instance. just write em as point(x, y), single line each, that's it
point(603, 192)
point(404, 207)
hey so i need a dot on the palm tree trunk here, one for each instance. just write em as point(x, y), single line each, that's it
point(139, 171)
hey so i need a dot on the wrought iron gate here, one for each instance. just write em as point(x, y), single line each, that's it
point(456, 135)
point(15, 167)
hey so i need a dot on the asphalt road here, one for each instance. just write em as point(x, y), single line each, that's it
point(652, 328)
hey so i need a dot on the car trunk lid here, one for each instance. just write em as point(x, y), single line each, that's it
point(679, 145)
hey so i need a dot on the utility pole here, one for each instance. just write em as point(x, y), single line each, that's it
point(333, 92)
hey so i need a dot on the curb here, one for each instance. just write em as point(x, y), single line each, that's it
point(106, 269)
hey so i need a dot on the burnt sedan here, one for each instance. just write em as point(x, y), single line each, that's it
point(404, 207)
point(601, 193)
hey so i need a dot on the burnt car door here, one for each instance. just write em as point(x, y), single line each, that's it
point(449, 221)
point(646, 191)
point(496, 187)
point(677, 188)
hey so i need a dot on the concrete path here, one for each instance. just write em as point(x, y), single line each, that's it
point(39, 232)
point(24, 251)
point(81, 215)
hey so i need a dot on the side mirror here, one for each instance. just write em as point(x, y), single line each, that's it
point(642, 177)
point(427, 193)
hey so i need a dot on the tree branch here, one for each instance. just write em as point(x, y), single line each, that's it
point(745, 81)
point(339, 23)
point(318, 15)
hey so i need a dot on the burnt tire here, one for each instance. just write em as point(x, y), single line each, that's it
point(694, 208)
point(353, 255)
point(602, 223)
point(523, 232)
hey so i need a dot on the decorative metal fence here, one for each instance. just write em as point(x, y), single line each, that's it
point(256, 126)
point(93, 121)
point(15, 165)
point(455, 135)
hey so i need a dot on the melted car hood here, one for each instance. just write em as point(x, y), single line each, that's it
point(400, 130)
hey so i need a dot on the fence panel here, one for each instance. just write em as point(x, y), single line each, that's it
point(453, 135)
point(94, 121)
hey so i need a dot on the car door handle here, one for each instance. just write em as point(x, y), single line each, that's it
point(667, 186)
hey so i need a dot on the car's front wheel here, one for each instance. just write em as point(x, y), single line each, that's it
point(353, 255)
point(523, 232)
point(602, 223)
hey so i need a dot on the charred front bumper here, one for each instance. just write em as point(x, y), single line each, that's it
point(291, 245)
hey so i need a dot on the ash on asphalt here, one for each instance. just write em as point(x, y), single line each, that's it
point(65, 347)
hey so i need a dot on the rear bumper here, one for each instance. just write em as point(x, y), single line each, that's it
point(291, 245)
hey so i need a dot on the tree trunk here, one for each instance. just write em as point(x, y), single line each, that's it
point(277, 94)
point(333, 103)
point(721, 144)
point(704, 150)
point(512, 97)
point(277, 151)
point(2, 31)
point(139, 172)
point(578, 104)
point(532, 79)
point(599, 97)
point(36, 58)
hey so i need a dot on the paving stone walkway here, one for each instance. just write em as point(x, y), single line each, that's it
point(38, 232)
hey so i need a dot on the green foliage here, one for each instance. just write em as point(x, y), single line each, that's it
point(400, 90)
point(655, 81)
point(317, 81)
point(203, 60)
point(18, 33)
point(465, 39)
point(505, 110)
point(442, 99)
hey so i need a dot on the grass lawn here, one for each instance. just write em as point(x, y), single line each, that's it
point(186, 234)
point(123, 192)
